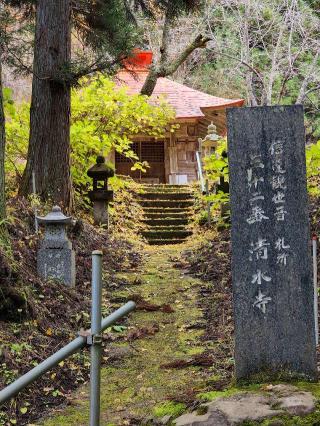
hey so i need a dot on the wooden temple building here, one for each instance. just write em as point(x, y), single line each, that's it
point(172, 159)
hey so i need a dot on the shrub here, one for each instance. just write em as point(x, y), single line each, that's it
point(104, 117)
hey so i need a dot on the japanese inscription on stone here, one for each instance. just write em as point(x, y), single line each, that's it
point(271, 264)
point(56, 259)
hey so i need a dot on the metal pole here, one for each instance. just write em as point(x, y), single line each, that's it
point(315, 286)
point(35, 209)
point(208, 205)
point(199, 164)
point(96, 338)
point(72, 347)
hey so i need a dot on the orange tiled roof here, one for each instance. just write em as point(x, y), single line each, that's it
point(187, 102)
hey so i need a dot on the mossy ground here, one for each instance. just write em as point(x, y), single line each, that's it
point(139, 387)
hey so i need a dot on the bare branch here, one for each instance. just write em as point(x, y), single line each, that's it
point(307, 79)
point(165, 69)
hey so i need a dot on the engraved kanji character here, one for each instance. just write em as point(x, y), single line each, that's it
point(282, 258)
point(256, 161)
point(257, 215)
point(279, 197)
point(280, 213)
point(261, 301)
point(259, 277)
point(280, 244)
point(259, 249)
point(276, 148)
point(278, 182)
point(256, 196)
point(277, 166)
point(253, 180)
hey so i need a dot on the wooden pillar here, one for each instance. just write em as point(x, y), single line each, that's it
point(173, 159)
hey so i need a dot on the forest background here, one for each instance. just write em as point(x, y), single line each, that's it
point(266, 52)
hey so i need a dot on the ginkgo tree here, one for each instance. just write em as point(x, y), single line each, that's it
point(104, 117)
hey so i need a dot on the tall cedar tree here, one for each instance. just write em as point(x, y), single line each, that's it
point(106, 29)
point(49, 142)
point(3, 229)
point(2, 155)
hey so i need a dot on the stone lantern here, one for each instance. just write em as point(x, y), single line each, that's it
point(209, 143)
point(56, 259)
point(100, 195)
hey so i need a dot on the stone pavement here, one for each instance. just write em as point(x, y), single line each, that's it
point(233, 410)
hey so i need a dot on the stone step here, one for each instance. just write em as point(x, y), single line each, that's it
point(165, 234)
point(167, 212)
point(169, 228)
point(151, 212)
point(171, 190)
point(166, 203)
point(173, 221)
point(164, 186)
point(160, 242)
point(166, 190)
point(165, 195)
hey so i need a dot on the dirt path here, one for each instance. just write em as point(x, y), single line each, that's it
point(135, 386)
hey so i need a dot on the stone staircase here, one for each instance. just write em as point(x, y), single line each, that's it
point(167, 213)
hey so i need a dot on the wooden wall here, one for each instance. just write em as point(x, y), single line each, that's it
point(181, 146)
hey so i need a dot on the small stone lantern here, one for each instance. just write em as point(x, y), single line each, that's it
point(100, 195)
point(209, 143)
point(56, 259)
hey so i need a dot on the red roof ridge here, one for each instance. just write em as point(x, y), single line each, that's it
point(187, 102)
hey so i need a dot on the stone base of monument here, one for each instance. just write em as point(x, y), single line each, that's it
point(275, 401)
point(100, 213)
point(57, 264)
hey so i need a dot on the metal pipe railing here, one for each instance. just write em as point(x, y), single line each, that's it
point(200, 172)
point(72, 347)
point(208, 204)
point(96, 338)
point(315, 286)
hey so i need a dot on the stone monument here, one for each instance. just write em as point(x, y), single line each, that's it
point(56, 259)
point(100, 195)
point(271, 261)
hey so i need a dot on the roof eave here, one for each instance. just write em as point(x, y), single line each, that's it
point(188, 118)
point(235, 103)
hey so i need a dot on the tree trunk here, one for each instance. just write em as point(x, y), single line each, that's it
point(150, 83)
point(49, 143)
point(2, 156)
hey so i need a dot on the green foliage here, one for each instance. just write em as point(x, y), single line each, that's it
point(170, 408)
point(17, 133)
point(313, 167)
point(108, 27)
point(211, 395)
point(217, 166)
point(104, 117)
